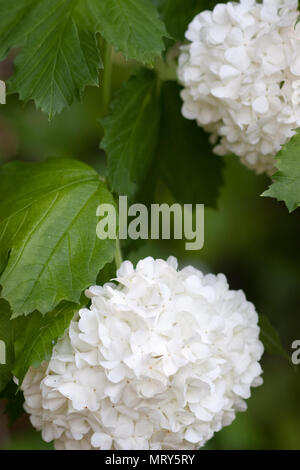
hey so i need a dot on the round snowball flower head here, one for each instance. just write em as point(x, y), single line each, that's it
point(241, 78)
point(162, 359)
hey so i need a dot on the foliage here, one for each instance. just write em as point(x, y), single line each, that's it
point(60, 54)
point(49, 251)
point(48, 232)
point(286, 182)
point(184, 154)
point(271, 339)
point(40, 334)
point(131, 131)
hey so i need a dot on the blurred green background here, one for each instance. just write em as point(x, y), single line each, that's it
point(253, 240)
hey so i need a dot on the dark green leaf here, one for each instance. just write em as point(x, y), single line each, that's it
point(14, 402)
point(41, 333)
point(12, 15)
point(177, 14)
point(49, 250)
point(188, 165)
point(271, 338)
point(107, 273)
point(60, 56)
point(133, 27)
point(131, 130)
point(6, 344)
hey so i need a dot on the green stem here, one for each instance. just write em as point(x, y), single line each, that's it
point(106, 77)
point(118, 254)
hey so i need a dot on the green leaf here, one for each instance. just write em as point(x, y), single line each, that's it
point(271, 338)
point(133, 27)
point(177, 14)
point(49, 250)
point(15, 400)
point(286, 182)
point(131, 130)
point(11, 16)
point(6, 344)
point(107, 274)
point(191, 170)
point(39, 337)
point(60, 56)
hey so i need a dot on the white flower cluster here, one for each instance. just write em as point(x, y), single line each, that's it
point(160, 361)
point(241, 77)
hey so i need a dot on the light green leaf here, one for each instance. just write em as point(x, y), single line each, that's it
point(49, 250)
point(271, 338)
point(286, 182)
point(131, 130)
point(41, 333)
point(133, 27)
point(188, 166)
point(6, 344)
